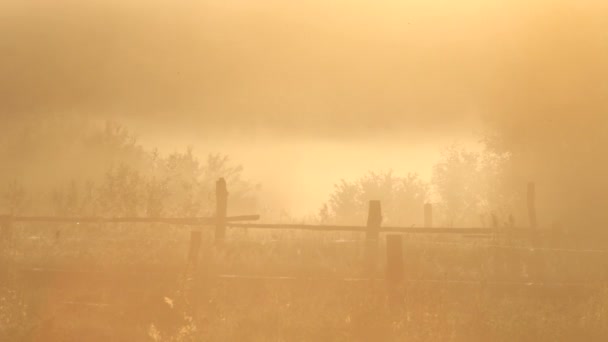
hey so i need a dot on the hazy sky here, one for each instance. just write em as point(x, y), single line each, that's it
point(327, 68)
point(331, 69)
point(296, 82)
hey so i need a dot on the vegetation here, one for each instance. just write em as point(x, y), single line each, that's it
point(130, 282)
point(143, 297)
point(104, 171)
point(467, 187)
point(402, 198)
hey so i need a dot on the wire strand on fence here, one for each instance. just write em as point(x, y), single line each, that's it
point(426, 242)
point(481, 282)
point(523, 248)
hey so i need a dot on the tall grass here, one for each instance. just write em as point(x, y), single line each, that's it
point(316, 305)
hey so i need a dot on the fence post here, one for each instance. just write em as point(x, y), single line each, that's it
point(394, 258)
point(538, 263)
point(428, 215)
point(3, 229)
point(221, 206)
point(374, 220)
point(394, 270)
point(6, 229)
point(192, 278)
point(195, 247)
point(501, 258)
point(496, 233)
point(532, 205)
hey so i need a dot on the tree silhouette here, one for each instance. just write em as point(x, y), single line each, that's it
point(402, 199)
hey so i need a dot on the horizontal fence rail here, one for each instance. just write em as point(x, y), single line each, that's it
point(191, 221)
point(388, 229)
point(211, 221)
point(54, 272)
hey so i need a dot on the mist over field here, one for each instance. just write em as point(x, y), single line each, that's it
point(383, 76)
point(493, 112)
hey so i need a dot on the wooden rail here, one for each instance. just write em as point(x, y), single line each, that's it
point(381, 229)
point(189, 221)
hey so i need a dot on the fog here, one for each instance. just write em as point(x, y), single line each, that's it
point(308, 168)
point(366, 85)
point(464, 140)
point(332, 70)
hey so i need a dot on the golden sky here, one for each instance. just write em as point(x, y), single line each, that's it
point(250, 77)
point(322, 67)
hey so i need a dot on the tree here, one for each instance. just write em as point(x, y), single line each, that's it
point(473, 185)
point(402, 199)
point(549, 111)
point(73, 167)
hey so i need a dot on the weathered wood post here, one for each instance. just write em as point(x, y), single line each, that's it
point(6, 230)
point(3, 229)
point(192, 278)
point(537, 258)
point(374, 220)
point(195, 247)
point(532, 205)
point(428, 215)
point(394, 270)
point(221, 207)
point(496, 236)
point(500, 256)
point(394, 258)
point(494, 220)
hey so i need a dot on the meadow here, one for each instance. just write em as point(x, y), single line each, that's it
point(128, 282)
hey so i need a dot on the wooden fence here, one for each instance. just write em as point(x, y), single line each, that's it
point(372, 229)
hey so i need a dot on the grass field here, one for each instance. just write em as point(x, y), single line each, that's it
point(131, 283)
